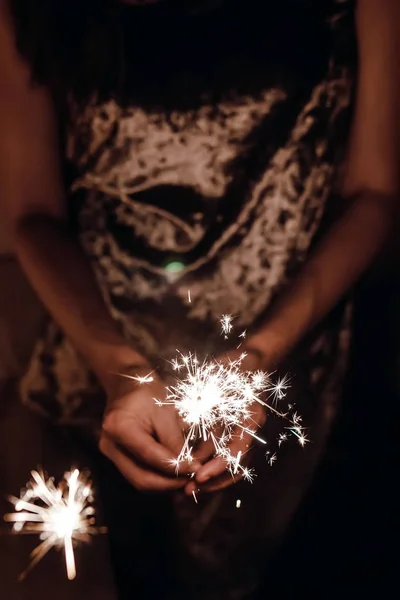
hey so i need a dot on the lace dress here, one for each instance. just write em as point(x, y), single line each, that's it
point(224, 193)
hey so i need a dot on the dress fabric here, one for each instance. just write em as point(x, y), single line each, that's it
point(224, 196)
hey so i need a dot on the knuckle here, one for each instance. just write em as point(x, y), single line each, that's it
point(111, 423)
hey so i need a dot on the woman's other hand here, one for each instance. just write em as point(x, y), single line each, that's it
point(213, 476)
point(141, 438)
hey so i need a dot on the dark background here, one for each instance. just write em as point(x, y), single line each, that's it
point(343, 540)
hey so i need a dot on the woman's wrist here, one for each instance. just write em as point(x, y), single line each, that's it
point(287, 323)
point(268, 348)
point(116, 368)
point(128, 380)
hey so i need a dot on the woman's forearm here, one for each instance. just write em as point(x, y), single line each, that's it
point(61, 275)
point(337, 263)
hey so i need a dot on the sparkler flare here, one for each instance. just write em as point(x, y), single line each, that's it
point(226, 324)
point(279, 389)
point(215, 401)
point(271, 458)
point(141, 379)
point(145, 379)
point(61, 516)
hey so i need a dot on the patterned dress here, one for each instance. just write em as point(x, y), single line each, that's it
point(222, 191)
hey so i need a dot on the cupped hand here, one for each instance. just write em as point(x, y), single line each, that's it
point(141, 438)
point(213, 476)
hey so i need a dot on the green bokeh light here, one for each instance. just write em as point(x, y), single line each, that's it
point(174, 267)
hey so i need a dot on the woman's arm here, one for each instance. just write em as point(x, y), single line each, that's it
point(370, 186)
point(371, 189)
point(31, 192)
point(140, 439)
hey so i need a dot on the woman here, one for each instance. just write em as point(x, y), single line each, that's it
point(248, 154)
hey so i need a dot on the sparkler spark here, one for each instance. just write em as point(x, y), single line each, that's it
point(282, 438)
point(226, 325)
point(141, 379)
point(242, 337)
point(216, 400)
point(279, 389)
point(145, 379)
point(61, 516)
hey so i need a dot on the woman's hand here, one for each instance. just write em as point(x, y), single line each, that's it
point(213, 476)
point(141, 438)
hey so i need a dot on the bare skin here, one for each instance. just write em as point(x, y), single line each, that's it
point(32, 196)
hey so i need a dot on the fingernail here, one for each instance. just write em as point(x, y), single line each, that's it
point(203, 477)
point(189, 491)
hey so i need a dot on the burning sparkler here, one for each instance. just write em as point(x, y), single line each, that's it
point(60, 515)
point(215, 401)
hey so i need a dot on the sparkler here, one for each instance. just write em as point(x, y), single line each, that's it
point(61, 516)
point(215, 401)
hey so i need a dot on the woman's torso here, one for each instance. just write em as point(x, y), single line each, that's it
point(201, 190)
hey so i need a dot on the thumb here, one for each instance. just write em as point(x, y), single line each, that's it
point(238, 448)
point(171, 434)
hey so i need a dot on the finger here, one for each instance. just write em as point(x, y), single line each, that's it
point(238, 447)
point(170, 432)
point(215, 485)
point(221, 483)
point(171, 435)
point(213, 468)
point(205, 451)
point(141, 479)
point(141, 444)
point(191, 488)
